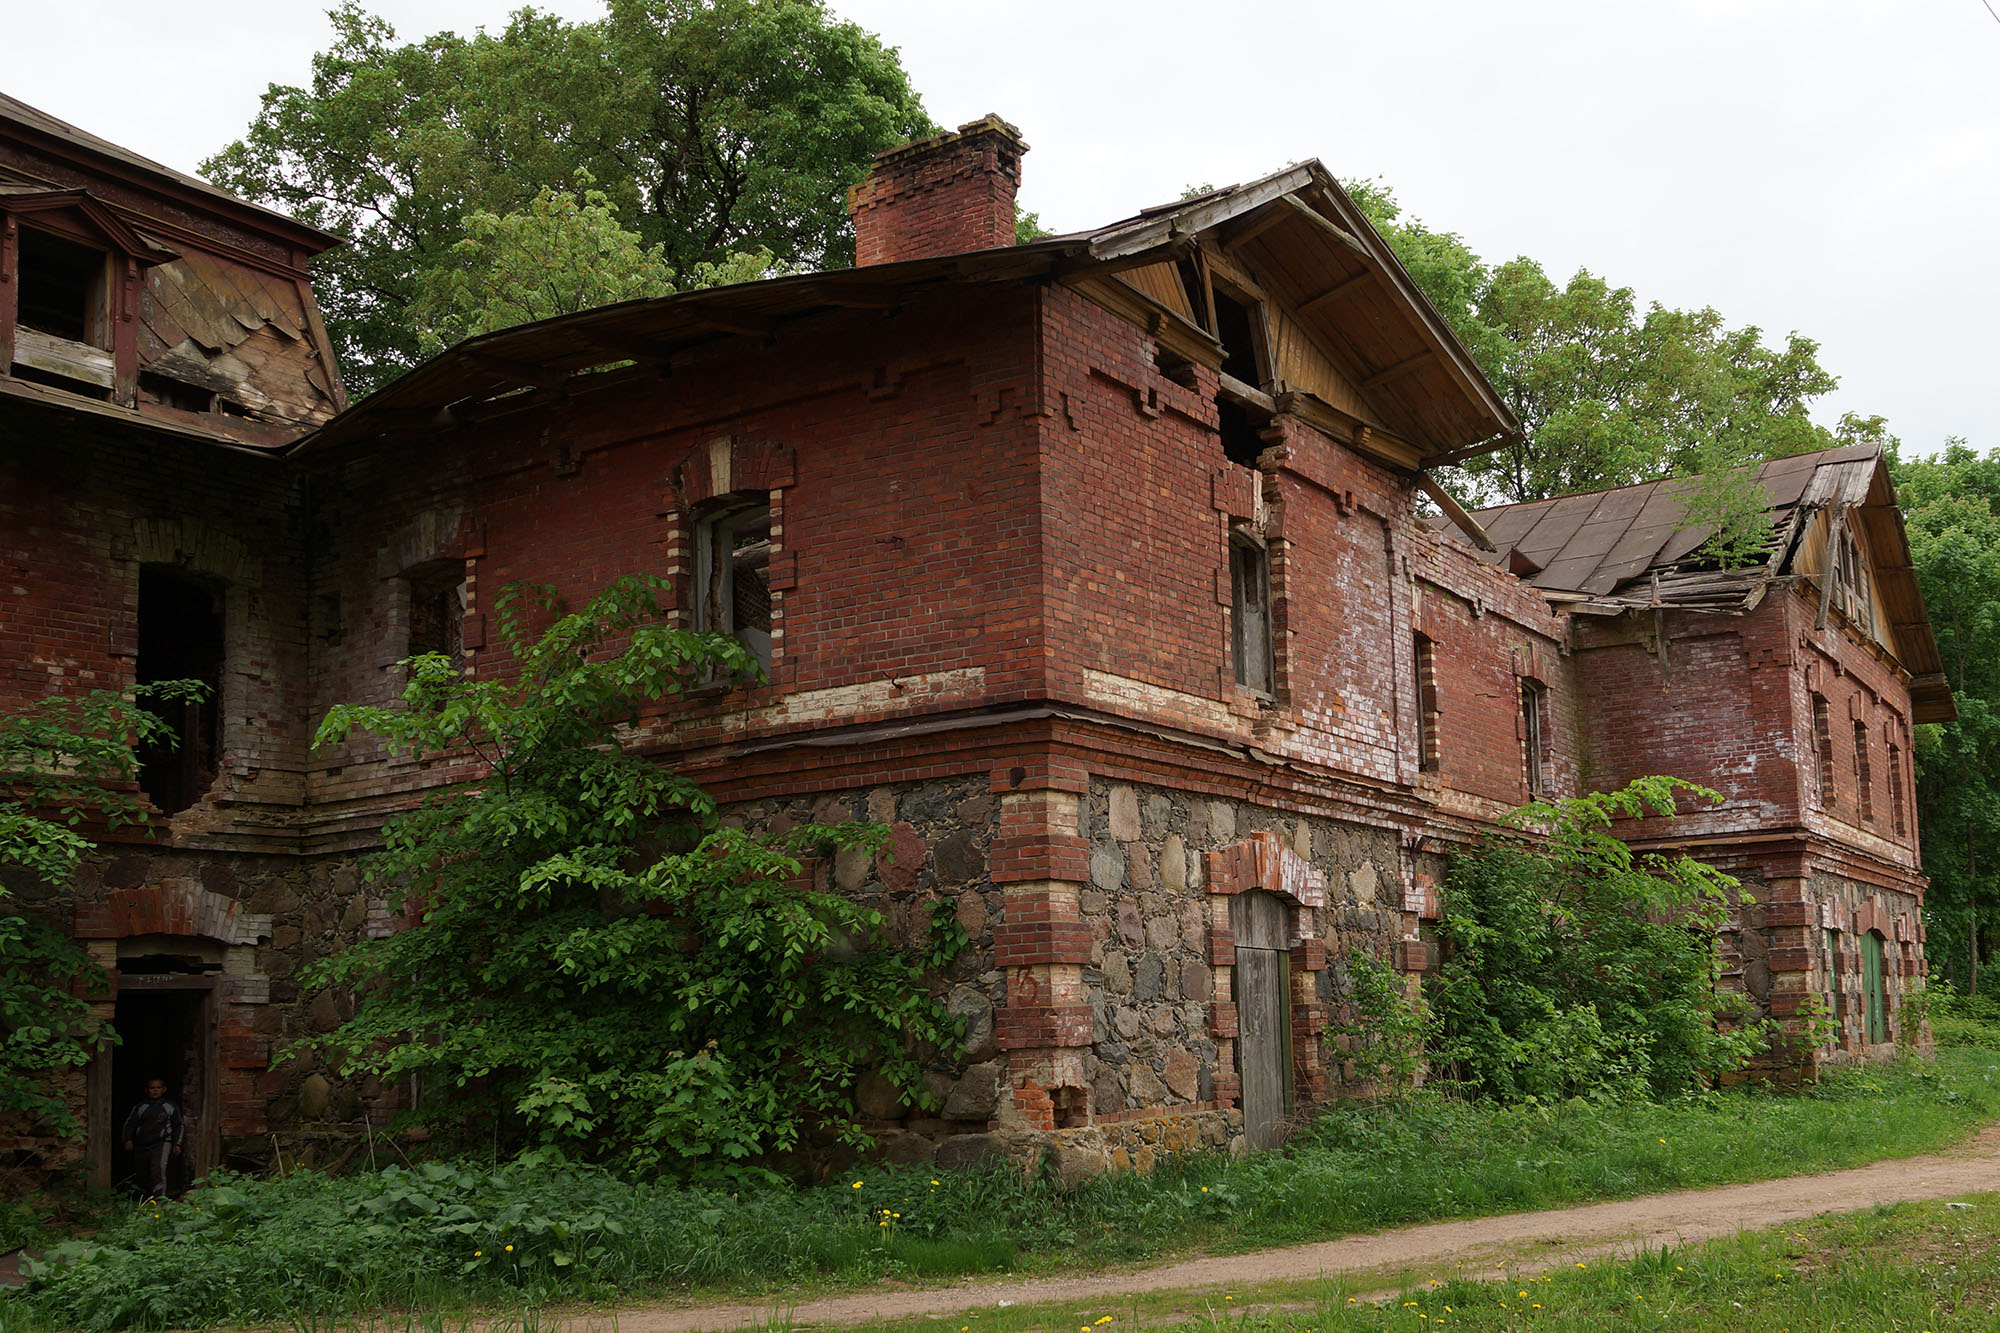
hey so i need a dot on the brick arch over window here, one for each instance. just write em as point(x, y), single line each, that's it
point(170, 907)
point(193, 545)
point(1264, 861)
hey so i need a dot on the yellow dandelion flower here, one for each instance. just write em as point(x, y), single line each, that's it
point(510, 1249)
point(1524, 1295)
point(933, 1182)
point(1447, 1309)
point(1663, 1140)
point(857, 1184)
point(478, 1254)
point(1538, 1305)
point(1579, 1265)
point(1204, 1190)
point(1105, 1320)
point(1679, 1269)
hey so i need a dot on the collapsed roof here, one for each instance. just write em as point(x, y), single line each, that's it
point(1633, 548)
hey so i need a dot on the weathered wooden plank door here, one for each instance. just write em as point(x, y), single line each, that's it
point(1871, 981)
point(1263, 1011)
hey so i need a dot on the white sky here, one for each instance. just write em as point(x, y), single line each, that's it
point(1830, 166)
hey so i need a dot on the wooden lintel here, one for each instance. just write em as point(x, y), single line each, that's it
point(1329, 227)
point(1231, 387)
point(1335, 292)
point(1402, 367)
point(516, 372)
point(1455, 511)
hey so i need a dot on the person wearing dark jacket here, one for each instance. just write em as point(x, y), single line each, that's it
point(153, 1137)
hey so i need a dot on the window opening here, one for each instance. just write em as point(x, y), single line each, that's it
point(1864, 798)
point(1250, 612)
point(1241, 442)
point(1822, 723)
point(170, 392)
point(437, 610)
point(1854, 581)
point(61, 288)
point(1239, 345)
point(1427, 738)
point(180, 638)
point(1531, 735)
point(1197, 292)
point(1896, 789)
point(733, 578)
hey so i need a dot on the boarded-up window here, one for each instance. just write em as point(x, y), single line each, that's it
point(1864, 795)
point(1896, 789)
point(1427, 705)
point(733, 576)
point(1250, 612)
point(1533, 728)
point(1822, 741)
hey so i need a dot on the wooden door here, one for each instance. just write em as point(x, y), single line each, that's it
point(1871, 982)
point(1263, 1011)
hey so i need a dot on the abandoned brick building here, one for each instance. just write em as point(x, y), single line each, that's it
point(1093, 567)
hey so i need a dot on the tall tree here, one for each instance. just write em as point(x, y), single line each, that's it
point(715, 127)
point(1951, 508)
point(1606, 394)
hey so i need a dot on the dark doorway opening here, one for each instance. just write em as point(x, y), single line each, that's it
point(180, 638)
point(164, 1031)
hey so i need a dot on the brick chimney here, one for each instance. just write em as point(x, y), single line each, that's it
point(940, 196)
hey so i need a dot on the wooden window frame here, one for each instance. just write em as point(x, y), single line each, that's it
point(713, 603)
point(1864, 793)
point(1429, 754)
point(1252, 646)
point(1534, 736)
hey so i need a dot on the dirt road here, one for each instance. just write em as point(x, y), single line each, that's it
point(1475, 1245)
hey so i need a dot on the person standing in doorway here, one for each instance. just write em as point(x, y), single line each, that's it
point(153, 1137)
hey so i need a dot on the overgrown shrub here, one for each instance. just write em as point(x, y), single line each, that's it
point(1572, 967)
point(599, 962)
point(1961, 1020)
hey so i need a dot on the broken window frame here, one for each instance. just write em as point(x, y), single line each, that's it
point(721, 585)
point(178, 776)
point(436, 595)
point(1253, 660)
point(1425, 672)
point(92, 326)
point(1822, 744)
point(1864, 796)
point(1899, 823)
point(1534, 731)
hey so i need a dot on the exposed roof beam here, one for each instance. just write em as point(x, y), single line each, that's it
point(1454, 511)
point(1387, 373)
point(1337, 232)
point(730, 322)
point(1339, 289)
point(1254, 225)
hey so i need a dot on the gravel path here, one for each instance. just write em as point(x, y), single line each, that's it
point(1475, 1245)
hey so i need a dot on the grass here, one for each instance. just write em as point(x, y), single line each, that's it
point(1928, 1266)
point(313, 1250)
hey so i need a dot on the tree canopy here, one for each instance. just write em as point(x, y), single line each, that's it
point(1606, 394)
point(1951, 508)
point(712, 127)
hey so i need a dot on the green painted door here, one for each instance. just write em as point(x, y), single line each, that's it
point(1871, 981)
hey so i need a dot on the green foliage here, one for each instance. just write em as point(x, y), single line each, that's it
point(565, 252)
point(600, 964)
point(1384, 1025)
point(1608, 395)
point(257, 1251)
point(717, 127)
point(1962, 1021)
point(68, 762)
point(1573, 967)
point(1951, 510)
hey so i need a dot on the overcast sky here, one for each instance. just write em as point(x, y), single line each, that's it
point(1829, 166)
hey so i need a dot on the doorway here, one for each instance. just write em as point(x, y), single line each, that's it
point(166, 1025)
point(180, 639)
point(1263, 986)
point(1873, 990)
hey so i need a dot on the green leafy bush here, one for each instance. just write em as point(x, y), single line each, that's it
point(599, 963)
point(1571, 966)
point(66, 765)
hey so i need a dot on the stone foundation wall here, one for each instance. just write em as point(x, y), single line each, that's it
point(1775, 956)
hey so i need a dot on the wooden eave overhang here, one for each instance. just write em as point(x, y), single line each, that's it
point(1320, 258)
